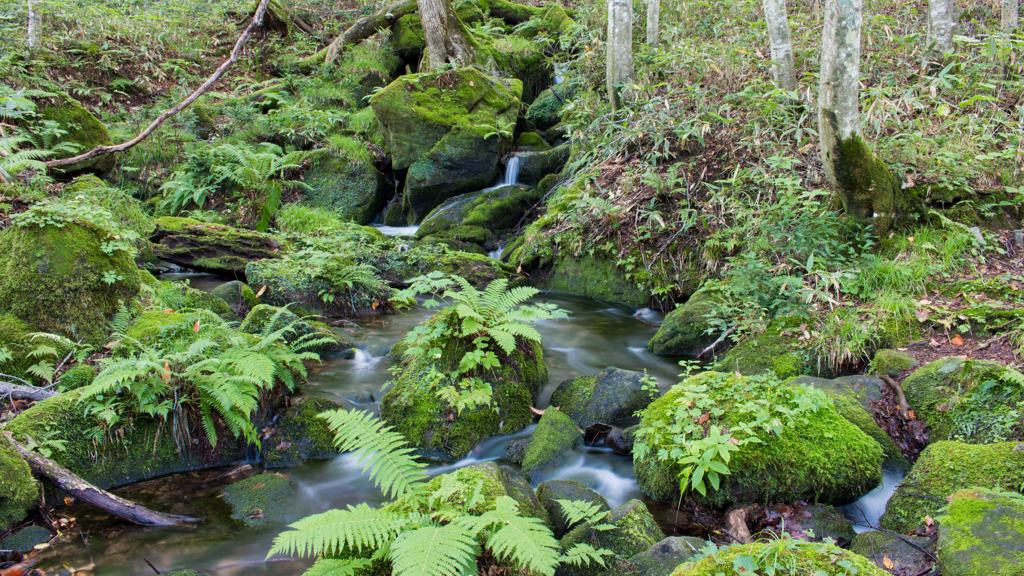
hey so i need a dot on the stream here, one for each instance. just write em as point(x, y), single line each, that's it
point(596, 335)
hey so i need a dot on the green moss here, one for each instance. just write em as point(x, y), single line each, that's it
point(982, 533)
point(301, 435)
point(479, 217)
point(531, 142)
point(53, 279)
point(685, 329)
point(892, 362)
point(348, 185)
point(869, 190)
point(944, 468)
point(546, 109)
point(610, 396)
point(259, 500)
point(907, 559)
point(212, 247)
point(593, 277)
point(83, 129)
point(770, 351)
point(533, 168)
point(825, 459)
point(494, 482)
point(19, 491)
point(25, 540)
point(78, 376)
point(14, 337)
point(238, 295)
point(635, 530)
point(181, 296)
point(854, 412)
point(805, 560)
point(553, 490)
point(150, 327)
point(554, 439)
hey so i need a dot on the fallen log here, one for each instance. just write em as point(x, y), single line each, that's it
point(368, 26)
point(64, 479)
point(16, 392)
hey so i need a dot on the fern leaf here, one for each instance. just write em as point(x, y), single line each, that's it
point(356, 529)
point(435, 551)
point(577, 510)
point(525, 541)
point(335, 567)
point(583, 554)
point(506, 340)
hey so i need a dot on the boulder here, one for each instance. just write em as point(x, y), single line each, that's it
point(533, 167)
point(26, 539)
point(551, 444)
point(982, 533)
point(546, 109)
point(823, 522)
point(479, 217)
point(259, 500)
point(819, 560)
point(659, 559)
point(635, 531)
point(945, 467)
point(494, 482)
point(300, 435)
point(83, 129)
point(621, 441)
point(180, 296)
point(776, 349)
point(968, 400)
point(607, 397)
point(593, 277)
point(892, 362)
point(238, 295)
point(298, 279)
point(60, 280)
point(211, 247)
point(19, 491)
point(515, 451)
point(262, 320)
point(552, 490)
point(820, 458)
point(905, 558)
point(448, 129)
point(685, 330)
point(349, 185)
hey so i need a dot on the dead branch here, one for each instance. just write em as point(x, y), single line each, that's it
point(716, 342)
point(257, 21)
point(368, 26)
point(17, 392)
point(902, 398)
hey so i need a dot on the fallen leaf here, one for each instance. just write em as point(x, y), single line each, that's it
point(887, 563)
point(934, 343)
point(704, 418)
point(922, 315)
point(262, 290)
point(911, 414)
point(196, 327)
point(537, 412)
point(734, 441)
point(957, 340)
point(252, 516)
point(257, 486)
point(68, 500)
point(928, 521)
point(166, 375)
point(374, 305)
point(42, 546)
point(943, 408)
point(284, 445)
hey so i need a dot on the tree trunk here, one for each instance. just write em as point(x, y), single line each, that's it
point(35, 27)
point(1011, 13)
point(368, 26)
point(942, 18)
point(777, 18)
point(620, 49)
point(862, 180)
point(653, 14)
point(62, 478)
point(448, 41)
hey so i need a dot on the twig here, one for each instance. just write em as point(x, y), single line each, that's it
point(257, 21)
point(151, 565)
point(901, 397)
point(717, 342)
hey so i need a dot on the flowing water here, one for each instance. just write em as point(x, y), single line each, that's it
point(597, 335)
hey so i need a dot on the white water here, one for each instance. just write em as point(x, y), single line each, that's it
point(559, 73)
point(363, 360)
point(512, 171)
point(865, 512)
point(397, 230)
point(496, 254)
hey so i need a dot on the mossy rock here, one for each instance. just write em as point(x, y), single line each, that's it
point(479, 217)
point(546, 109)
point(406, 39)
point(659, 559)
point(53, 279)
point(19, 490)
point(892, 362)
point(26, 539)
point(820, 558)
point(348, 185)
point(78, 376)
point(211, 247)
point(184, 573)
point(982, 533)
point(685, 330)
point(259, 500)
point(262, 319)
point(150, 327)
point(146, 451)
point(84, 129)
point(610, 396)
point(551, 444)
point(515, 451)
point(635, 531)
point(593, 277)
point(825, 459)
point(772, 350)
point(478, 269)
point(878, 546)
point(621, 441)
point(945, 467)
point(238, 295)
point(494, 482)
point(180, 296)
point(552, 490)
point(301, 435)
point(823, 522)
point(294, 279)
point(14, 336)
point(434, 429)
point(941, 391)
point(530, 142)
point(536, 166)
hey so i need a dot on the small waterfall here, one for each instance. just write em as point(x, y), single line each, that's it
point(496, 254)
point(363, 360)
point(559, 74)
point(512, 171)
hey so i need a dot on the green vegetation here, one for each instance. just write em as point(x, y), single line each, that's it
point(785, 556)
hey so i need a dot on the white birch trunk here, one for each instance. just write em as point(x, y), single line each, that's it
point(620, 48)
point(1011, 14)
point(777, 18)
point(653, 14)
point(942, 18)
point(35, 26)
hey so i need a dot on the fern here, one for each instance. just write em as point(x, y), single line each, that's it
point(335, 567)
point(435, 551)
point(354, 530)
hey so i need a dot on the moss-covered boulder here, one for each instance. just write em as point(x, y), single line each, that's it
point(14, 337)
point(147, 450)
point(892, 362)
point(530, 142)
point(406, 39)
point(259, 500)
point(945, 467)
point(61, 280)
point(515, 451)
point(78, 376)
point(553, 490)
point(478, 269)
point(660, 559)
point(802, 559)
point(349, 185)
point(982, 533)
point(447, 129)
point(211, 247)
point(301, 435)
point(819, 457)
point(823, 522)
point(635, 531)
point(776, 349)
point(546, 109)
point(593, 277)
point(535, 166)
point(26, 539)
point(19, 491)
point(621, 441)
point(180, 296)
point(296, 278)
point(685, 330)
point(265, 318)
point(83, 129)
point(150, 327)
point(238, 295)
point(607, 397)
point(908, 554)
point(968, 400)
point(551, 444)
point(494, 482)
point(479, 217)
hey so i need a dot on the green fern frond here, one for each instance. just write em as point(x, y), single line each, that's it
point(435, 551)
point(583, 554)
point(356, 529)
point(335, 567)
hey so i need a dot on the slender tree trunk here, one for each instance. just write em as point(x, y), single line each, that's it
point(783, 71)
point(653, 14)
point(447, 38)
point(942, 18)
point(35, 26)
point(620, 48)
point(1011, 13)
point(867, 188)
